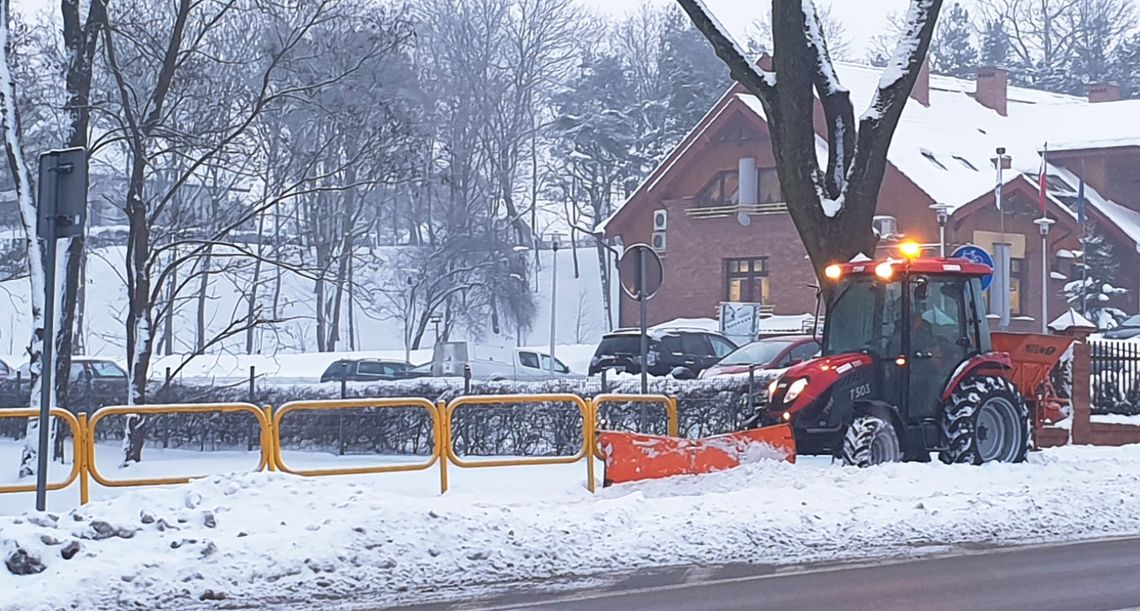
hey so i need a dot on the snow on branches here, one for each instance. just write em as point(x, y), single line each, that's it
point(825, 203)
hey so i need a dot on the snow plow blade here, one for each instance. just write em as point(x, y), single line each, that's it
point(631, 457)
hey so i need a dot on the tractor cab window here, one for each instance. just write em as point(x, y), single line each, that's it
point(865, 316)
point(939, 339)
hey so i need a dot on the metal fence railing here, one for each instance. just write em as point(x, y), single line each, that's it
point(1115, 370)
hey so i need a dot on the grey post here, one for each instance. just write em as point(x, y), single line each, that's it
point(61, 213)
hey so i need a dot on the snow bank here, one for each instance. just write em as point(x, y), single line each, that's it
point(271, 539)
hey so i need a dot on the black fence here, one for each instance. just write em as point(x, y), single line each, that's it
point(1115, 370)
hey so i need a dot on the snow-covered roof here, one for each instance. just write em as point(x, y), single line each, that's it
point(947, 148)
point(1126, 219)
point(1071, 320)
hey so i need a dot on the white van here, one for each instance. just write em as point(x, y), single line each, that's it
point(493, 362)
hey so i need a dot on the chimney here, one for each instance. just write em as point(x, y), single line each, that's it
point(748, 181)
point(1104, 92)
point(921, 90)
point(992, 89)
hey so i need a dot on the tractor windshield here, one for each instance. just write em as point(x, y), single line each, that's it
point(865, 316)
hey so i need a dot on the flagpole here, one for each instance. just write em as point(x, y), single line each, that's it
point(1084, 245)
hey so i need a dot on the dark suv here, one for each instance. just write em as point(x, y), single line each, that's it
point(368, 370)
point(694, 350)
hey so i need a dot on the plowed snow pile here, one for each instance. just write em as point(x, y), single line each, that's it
point(259, 540)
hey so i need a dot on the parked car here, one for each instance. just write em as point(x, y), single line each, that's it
point(368, 370)
point(767, 353)
point(677, 351)
point(494, 363)
point(1128, 329)
point(89, 369)
point(9, 366)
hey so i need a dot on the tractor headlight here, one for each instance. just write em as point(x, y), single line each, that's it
point(795, 389)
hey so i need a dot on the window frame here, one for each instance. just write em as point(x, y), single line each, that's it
point(718, 181)
point(750, 277)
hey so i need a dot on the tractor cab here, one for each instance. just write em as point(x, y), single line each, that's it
point(917, 320)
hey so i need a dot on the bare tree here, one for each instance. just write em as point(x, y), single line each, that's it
point(832, 207)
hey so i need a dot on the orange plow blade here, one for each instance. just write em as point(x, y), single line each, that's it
point(631, 457)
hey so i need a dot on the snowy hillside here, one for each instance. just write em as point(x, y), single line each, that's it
point(580, 311)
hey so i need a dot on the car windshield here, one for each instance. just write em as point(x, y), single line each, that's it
point(758, 353)
point(620, 344)
point(865, 316)
point(1131, 321)
point(106, 369)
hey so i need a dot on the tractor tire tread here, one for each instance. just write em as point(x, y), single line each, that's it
point(960, 418)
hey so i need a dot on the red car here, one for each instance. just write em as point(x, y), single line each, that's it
point(768, 353)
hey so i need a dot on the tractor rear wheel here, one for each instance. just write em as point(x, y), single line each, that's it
point(985, 420)
point(870, 441)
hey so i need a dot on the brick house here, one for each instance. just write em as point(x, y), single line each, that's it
point(714, 211)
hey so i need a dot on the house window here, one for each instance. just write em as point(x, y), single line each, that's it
point(746, 280)
point(724, 190)
point(769, 187)
point(1018, 286)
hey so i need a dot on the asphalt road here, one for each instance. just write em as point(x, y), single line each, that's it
point(1085, 576)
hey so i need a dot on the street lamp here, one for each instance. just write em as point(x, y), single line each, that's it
point(1001, 162)
point(943, 212)
point(553, 297)
point(1043, 224)
point(435, 319)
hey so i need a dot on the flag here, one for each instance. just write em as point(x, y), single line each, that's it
point(1081, 203)
point(1041, 186)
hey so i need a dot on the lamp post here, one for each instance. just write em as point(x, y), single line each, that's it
point(1003, 296)
point(435, 320)
point(1043, 224)
point(943, 212)
point(553, 297)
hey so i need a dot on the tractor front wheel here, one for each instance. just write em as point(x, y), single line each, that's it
point(985, 420)
point(870, 441)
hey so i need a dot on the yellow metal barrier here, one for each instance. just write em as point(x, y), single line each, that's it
point(204, 408)
point(673, 419)
point(77, 438)
point(576, 401)
point(437, 452)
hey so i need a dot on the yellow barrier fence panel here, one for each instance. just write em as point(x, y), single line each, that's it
point(357, 408)
point(673, 419)
point(443, 440)
point(77, 449)
point(254, 411)
point(83, 454)
point(577, 403)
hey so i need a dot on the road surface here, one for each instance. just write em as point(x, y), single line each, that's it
point(1091, 575)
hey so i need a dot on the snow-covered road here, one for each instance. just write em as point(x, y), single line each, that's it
point(269, 539)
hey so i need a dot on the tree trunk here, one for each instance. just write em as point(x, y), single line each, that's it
point(251, 298)
point(203, 293)
point(604, 272)
point(140, 338)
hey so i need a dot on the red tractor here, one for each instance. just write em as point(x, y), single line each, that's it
point(908, 368)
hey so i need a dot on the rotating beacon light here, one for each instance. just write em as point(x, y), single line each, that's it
point(910, 250)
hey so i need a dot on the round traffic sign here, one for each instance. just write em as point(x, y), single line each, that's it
point(639, 271)
point(976, 254)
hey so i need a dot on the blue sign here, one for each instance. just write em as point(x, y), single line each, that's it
point(976, 254)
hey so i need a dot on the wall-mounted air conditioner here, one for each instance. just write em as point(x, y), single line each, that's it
point(660, 220)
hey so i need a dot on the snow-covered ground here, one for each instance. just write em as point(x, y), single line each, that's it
point(273, 540)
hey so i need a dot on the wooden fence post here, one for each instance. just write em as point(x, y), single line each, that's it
point(1082, 394)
